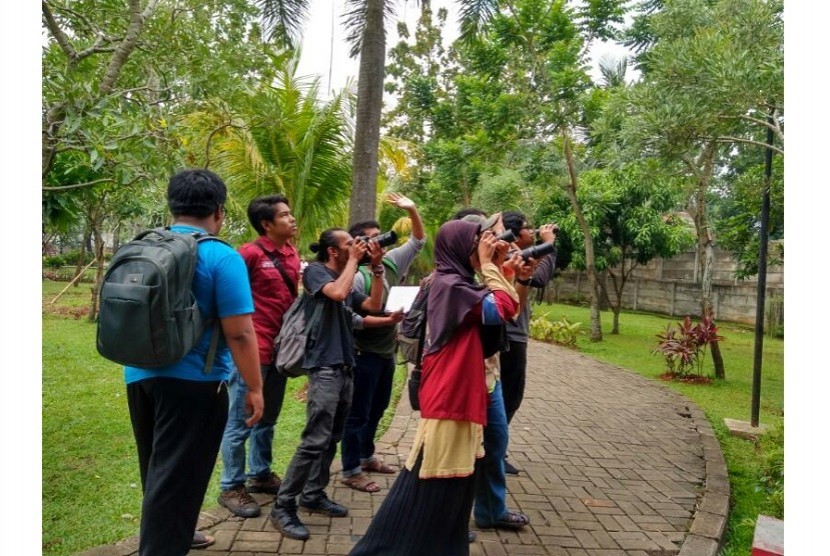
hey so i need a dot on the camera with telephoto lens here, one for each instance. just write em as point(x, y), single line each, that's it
point(385, 240)
point(537, 251)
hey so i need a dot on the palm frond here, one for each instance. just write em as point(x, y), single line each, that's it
point(283, 19)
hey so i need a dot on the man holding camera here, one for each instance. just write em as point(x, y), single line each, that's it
point(375, 352)
point(514, 360)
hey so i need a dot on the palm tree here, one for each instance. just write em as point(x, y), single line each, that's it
point(366, 32)
point(286, 141)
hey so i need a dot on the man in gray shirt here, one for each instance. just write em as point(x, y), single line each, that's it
point(514, 361)
point(375, 355)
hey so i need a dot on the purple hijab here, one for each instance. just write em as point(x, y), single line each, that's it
point(453, 291)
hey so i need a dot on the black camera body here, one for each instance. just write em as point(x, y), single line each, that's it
point(385, 240)
point(507, 236)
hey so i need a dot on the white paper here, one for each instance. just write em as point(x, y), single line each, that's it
point(401, 297)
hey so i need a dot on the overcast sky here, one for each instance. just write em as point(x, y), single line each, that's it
point(318, 55)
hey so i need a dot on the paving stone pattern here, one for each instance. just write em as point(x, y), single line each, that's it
point(612, 465)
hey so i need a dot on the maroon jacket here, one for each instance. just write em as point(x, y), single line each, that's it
point(272, 296)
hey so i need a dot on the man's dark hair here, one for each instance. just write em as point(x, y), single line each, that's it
point(359, 228)
point(513, 221)
point(195, 192)
point(327, 239)
point(467, 212)
point(264, 208)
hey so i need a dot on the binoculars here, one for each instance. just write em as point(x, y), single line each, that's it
point(385, 239)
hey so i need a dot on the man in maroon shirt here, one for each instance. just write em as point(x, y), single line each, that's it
point(274, 271)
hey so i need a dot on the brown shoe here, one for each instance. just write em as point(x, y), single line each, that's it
point(269, 484)
point(239, 502)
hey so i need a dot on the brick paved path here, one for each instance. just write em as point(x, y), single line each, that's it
point(612, 465)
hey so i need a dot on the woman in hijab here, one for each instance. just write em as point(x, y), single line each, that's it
point(427, 510)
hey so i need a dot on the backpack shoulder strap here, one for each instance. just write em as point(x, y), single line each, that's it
point(217, 324)
point(292, 287)
point(367, 279)
point(367, 276)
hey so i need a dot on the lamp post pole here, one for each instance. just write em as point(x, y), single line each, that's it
point(762, 279)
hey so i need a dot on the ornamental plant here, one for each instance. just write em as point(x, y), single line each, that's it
point(684, 345)
point(562, 332)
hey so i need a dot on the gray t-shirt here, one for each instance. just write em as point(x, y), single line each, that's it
point(381, 339)
point(333, 344)
point(519, 331)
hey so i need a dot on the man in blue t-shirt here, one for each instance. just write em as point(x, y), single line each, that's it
point(178, 412)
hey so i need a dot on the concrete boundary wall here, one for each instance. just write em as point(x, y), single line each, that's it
point(668, 287)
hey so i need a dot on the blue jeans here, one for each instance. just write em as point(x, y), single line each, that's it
point(491, 483)
point(261, 434)
point(307, 476)
point(373, 376)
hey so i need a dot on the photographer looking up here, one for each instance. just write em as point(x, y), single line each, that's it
point(375, 354)
point(514, 361)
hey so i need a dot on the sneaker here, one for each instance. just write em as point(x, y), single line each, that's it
point(471, 536)
point(287, 522)
point(239, 502)
point(269, 484)
point(326, 507)
point(509, 469)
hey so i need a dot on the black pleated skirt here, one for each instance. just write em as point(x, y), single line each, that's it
point(421, 517)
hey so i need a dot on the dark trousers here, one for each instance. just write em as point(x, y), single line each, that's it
point(421, 517)
point(178, 427)
point(329, 398)
point(513, 374)
point(373, 376)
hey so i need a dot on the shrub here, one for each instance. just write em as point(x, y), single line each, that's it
point(562, 332)
point(71, 258)
point(684, 347)
point(54, 262)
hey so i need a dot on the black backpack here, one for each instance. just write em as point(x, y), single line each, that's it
point(411, 339)
point(412, 330)
point(148, 316)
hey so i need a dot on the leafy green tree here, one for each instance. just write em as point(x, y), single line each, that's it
point(281, 139)
point(712, 78)
point(735, 211)
point(539, 49)
point(117, 76)
point(633, 222)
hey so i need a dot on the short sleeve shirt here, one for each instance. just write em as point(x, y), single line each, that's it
point(221, 287)
point(333, 345)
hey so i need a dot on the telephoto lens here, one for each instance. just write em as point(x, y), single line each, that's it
point(385, 240)
point(507, 236)
point(538, 251)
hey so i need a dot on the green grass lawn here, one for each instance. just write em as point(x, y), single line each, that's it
point(91, 485)
point(91, 490)
point(730, 398)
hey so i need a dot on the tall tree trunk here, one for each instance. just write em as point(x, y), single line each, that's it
point(99, 268)
point(367, 121)
point(82, 253)
point(706, 244)
point(615, 305)
point(590, 266)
